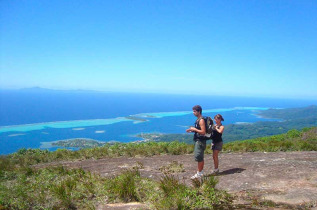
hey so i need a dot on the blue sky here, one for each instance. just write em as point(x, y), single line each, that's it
point(236, 48)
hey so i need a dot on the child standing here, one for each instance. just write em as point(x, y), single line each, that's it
point(217, 142)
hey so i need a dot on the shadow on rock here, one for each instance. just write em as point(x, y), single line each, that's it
point(231, 171)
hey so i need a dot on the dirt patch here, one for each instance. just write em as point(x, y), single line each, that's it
point(281, 177)
point(123, 206)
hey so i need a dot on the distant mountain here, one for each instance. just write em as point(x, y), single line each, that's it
point(35, 89)
point(40, 89)
point(291, 113)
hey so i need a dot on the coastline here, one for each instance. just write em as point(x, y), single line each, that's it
point(242, 125)
point(137, 118)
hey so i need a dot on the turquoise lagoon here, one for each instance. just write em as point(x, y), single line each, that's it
point(32, 118)
point(121, 129)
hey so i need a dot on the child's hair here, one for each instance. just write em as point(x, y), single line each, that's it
point(218, 116)
point(198, 108)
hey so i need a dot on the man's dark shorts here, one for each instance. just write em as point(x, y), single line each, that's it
point(199, 150)
point(217, 146)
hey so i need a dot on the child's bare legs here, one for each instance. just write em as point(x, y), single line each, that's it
point(215, 157)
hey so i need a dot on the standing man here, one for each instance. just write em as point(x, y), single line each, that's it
point(199, 139)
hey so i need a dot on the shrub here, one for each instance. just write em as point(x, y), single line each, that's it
point(123, 186)
point(293, 133)
point(176, 195)
point(170, 185)
point(63, 191)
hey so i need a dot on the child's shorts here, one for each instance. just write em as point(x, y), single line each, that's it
point(217, 146)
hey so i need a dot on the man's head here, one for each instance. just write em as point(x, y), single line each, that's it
point(197, 109)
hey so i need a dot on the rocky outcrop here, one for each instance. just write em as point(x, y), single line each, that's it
point(283, 178)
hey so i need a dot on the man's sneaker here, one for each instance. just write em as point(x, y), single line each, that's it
point(197, 175)
point(215, 171)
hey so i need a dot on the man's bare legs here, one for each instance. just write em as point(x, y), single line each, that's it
point(201, 166)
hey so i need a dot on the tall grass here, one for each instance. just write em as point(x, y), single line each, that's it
point(60, 188)
point(50, 188)
point(123, 186)
point(35, 156)
point(176, 195)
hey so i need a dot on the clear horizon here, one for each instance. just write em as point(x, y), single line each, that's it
point(314, 100)
point(224, 48)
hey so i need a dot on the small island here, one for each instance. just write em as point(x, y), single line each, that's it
point(136, 118)
point(78, 143)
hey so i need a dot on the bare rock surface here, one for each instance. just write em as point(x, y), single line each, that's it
point(122, 206)
point(282, 177)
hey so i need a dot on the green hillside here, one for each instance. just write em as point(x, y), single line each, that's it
point(293, 140)
point(292, 118)
point(291, 113)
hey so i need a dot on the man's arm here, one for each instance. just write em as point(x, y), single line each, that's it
point(202, 130)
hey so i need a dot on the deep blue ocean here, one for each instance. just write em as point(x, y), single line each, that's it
point(32, 117)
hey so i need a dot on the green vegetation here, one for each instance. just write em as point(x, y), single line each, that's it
point(293, 140)
point(27, 157)
point(291, 113)
point(23, 186)
point(61, 188)
point(204, 195)
point(49, 188)
point(236, 132)
point(292, 118)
